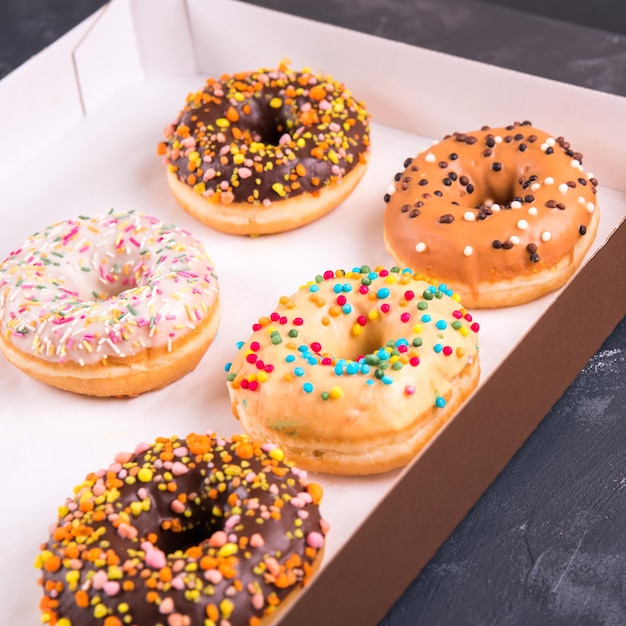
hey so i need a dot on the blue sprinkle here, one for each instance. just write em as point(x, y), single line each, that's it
point(402, 342)
point(437, 347)
point(382, 354)
point(369, 381)
point(443, 287)
point(372, 275)
point(352, 368)
point(346, 287)
point(239, 345)
point(432, 289)
point(227, 367)
point(290, 358)
point(308, 387)
point(303, 348)
point(440, 402)
point(387, 380)
point(346, 308)
point(337, 288)
point(426, 317)
point(365, 368)
point(442, 324)
point(298, 371)
point(383, 292)
point(311, 360)
point(339, 369)
point(314, 288)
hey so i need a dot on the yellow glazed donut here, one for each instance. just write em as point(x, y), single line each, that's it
point(113, 305)
point(356, 371)
point(501, 215)
point(266, 151)
point(183, 532)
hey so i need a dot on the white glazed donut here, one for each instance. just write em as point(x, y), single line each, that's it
point(114, 305)
point(356, 371)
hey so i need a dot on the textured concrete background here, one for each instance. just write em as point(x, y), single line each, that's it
point(546, 544)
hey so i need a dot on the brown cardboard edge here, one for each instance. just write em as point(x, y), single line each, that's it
point(436, 491)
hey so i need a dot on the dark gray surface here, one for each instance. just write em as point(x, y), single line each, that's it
point(546, 544)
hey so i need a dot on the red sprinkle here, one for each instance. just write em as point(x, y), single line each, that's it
point(405, 317)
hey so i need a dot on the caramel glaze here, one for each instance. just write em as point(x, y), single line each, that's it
point(490, 205)
point(189, 531)
point(259, 137)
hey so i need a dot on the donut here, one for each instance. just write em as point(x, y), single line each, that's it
point(113, 305)
point(357, 371)
point(198, 531)
point(502, 216)
point(262, 152)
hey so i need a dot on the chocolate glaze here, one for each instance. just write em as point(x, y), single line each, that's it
point(258, 137)
point(178, 526)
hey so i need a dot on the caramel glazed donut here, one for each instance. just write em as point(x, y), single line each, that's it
point(356, 371)
point(184, 532)
point(113, 305)
point(501, 215)
point(267, 151)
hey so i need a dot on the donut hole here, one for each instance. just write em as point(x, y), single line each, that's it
point(170, 541)
point(496, 192)
point(371, 340)
point(267, 125)
point(115, 281)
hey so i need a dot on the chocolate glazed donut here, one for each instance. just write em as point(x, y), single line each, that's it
point(183, 532)
point(266, 151)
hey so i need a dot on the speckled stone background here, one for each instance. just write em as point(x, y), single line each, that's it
point(546, 544)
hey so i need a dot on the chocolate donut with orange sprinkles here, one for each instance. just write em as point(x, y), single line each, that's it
point(183, 532)
point(267, 151)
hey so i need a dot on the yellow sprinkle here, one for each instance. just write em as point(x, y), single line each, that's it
point(144, 475)
point(463, 330)
point(64, 622)
point(279, 189)
point(276, 103)
point(357, 329)
point(228, 549)
point(262, 377)
point(222, 122)
point(100, 611)
point(136, 508)
point(373, 314)
point(417, 329)
point(336, 392)
point(277, 454)
point(226, 608)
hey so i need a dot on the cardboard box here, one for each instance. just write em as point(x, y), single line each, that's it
point(82, 121)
